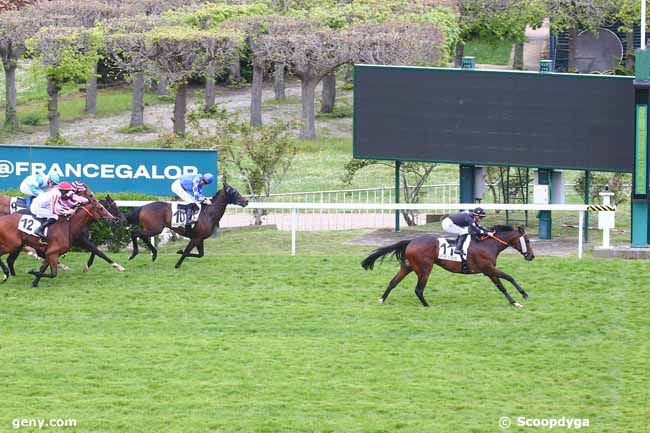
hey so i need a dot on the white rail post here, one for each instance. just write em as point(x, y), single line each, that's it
point(294, 224)
point(581, 218)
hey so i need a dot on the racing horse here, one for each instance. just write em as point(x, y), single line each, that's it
point(154, 217)
point(83, 241)
point(421, 253)
point(59, 238)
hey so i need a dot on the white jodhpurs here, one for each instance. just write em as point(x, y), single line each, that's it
point(181, 193)
point(41, 212)
point(449, 226)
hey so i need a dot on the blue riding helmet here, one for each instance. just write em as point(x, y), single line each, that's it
point(208, 177)
point(54, 178)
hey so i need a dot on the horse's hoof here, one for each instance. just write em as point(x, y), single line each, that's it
point(525, 295)
point(517, 305)
point(63, 267)
point(381, 300)
point(132, 256)
point(179, 252)
point(118, 267)
point(154, 257)
point(32, 272)
point(86, 268)
point(4, 277)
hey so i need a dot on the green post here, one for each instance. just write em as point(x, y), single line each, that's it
point(545, 222)
point(544, 176)
point(397, 212)
point(640, 196)
point(466, 185)
point(469, 62)
point(586, 201)
point(466, 172)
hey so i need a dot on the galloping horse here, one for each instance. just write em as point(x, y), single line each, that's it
point(59, 237)
point(421, 253)
point(154, 217)
point(83, 241)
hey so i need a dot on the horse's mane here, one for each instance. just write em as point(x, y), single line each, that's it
point(502, 228)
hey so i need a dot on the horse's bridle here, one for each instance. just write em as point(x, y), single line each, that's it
point(522, 242)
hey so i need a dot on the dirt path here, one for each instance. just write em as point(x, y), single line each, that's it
point(103, 130)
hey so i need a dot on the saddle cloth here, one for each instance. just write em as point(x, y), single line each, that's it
point(446, 249)
point(18, 203)
point(178, 215)
point(28, 224)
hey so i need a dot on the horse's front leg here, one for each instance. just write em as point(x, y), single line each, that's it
point(186, 253)
point(51, 262)
point(503, 290)
point(95, 251)
point(512, 281)
point(199, 248)
point(12, 259)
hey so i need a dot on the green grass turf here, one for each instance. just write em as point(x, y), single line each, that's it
point(491, 53)
point(250, 339)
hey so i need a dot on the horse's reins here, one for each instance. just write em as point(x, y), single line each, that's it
point(524, 249)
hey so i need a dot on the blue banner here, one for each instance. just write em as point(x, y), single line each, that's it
point(147, 171)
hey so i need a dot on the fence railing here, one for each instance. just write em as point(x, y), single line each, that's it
point(293, 212)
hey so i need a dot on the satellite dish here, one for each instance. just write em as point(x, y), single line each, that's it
point(598, 52)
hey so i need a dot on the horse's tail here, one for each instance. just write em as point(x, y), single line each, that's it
point(133, 217)
point(397, 249)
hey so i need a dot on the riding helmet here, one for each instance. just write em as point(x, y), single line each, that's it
point(479, 211)
point(65, 186)
point(54, 178)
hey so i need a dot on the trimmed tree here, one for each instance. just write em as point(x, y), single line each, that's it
point(178, 53)
point(125, 41)
point(309, 52)
point(68, 55)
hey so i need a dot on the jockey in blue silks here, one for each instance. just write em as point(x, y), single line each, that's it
point(189, 188)
point(36, 184)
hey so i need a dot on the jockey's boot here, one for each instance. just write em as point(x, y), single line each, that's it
point(459, 244)
point(189, 211)
point(40, 232)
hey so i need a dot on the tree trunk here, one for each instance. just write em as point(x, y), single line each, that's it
point(11, 117)
point(137, 103)
point(161, 87)
point(308, 87)
point(329, 93)
point(234, 70)
point(180, 108)
point(256, 95)
point(210, 86)
point(53, 107)
point(518, 61)
point(91, 93)
point(460, 52)
point(278, 82)
point(629, 49)
point(573, 36)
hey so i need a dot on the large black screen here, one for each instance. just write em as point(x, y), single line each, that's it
point(492, 117)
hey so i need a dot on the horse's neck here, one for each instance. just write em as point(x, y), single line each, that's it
point(505, 237)
point(217, 211)
point(78, 221)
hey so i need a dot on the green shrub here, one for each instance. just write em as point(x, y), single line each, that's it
point(32, 118)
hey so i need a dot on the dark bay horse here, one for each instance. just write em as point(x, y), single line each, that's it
point(154, 217)
point(5, 205)
point(421, 253)
point(59, 239)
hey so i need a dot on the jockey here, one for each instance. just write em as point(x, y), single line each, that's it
point(189, 188)
point(464, 223)
point(55, 202)
point(36, 184)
